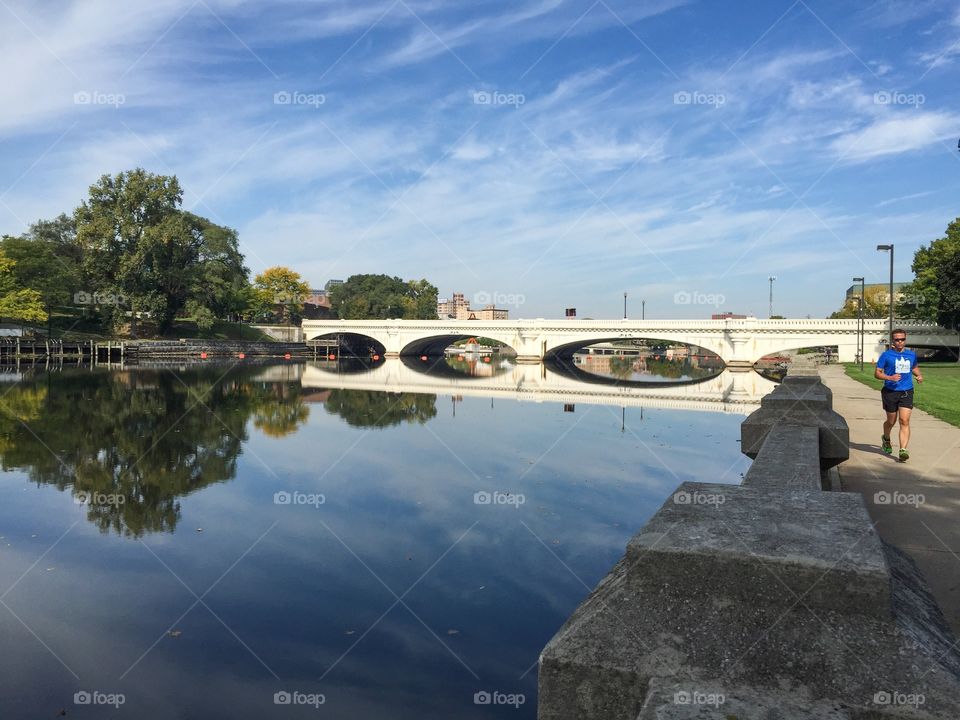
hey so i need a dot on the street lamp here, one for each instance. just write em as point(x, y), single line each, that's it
point(884, 248)
point(861, 345)
point(643, 309)
point(771, 279)
point(624, 306)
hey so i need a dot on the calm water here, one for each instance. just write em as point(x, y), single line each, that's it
point(259, 530)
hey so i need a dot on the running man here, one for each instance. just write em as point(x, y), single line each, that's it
point(897, 367)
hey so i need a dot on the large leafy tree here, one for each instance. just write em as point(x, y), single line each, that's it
point(282, 291)
point(875, 304)
point(364, 297)
point(934, 292)
point(17, 302)
point(140, 246)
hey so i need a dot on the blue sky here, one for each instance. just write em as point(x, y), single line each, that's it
point(545, 154)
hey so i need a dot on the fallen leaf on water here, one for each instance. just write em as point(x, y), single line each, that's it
point(351, 632)
point(174, 633)
point(453, 632)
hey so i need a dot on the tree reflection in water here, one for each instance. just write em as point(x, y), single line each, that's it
point(372, 408)
point(142, 438)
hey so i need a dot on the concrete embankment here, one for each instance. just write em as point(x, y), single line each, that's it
point(776, 598)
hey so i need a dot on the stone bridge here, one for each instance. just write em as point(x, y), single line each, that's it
point(738, 342)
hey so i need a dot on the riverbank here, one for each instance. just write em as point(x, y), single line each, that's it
point(913, 504)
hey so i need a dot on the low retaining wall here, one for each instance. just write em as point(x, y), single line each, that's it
point(160, 349)
point(769, 599)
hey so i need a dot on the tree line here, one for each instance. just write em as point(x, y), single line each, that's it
point(131, 255)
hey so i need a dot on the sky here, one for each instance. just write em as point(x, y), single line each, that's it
point(538, 154)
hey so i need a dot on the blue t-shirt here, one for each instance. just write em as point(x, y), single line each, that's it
point(892, 362)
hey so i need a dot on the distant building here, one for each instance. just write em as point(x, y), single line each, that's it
point(883, 288)
point(727, 316)
point(331, 283)
point(459, 309)
point(320, 298)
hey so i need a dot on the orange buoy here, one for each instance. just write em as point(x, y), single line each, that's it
point(423, 358)
point(331, 356)
point(486, 359)
point(376, 357)
point(241, 355)
point(203, 356)
point(286, 356)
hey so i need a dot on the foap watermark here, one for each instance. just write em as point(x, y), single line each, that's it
point(284, 497)
point(96, 697)
point(295, 97)
point(295, 697)
point(696, 97)
point(495, 97)
point(82, 297)
point(893, 97)
point(497, 298)
point(698, 498)
point(696, 297)
point(289, 298)
point(898, 498)
point(98, 498)
point(496, 697)
point(498, 498)
point(884, 697)
point(95, 97)
point(698, 697)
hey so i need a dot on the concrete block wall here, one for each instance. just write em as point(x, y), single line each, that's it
point(772, 599)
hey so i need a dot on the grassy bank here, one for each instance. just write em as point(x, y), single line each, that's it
point(67, 327)
point(939, 394)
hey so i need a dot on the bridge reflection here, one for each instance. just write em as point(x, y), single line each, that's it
point(737, 392)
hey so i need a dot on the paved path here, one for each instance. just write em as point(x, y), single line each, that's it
point(929, 531)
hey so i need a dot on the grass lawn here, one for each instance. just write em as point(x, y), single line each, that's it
point(71, 327)
point(939, 394)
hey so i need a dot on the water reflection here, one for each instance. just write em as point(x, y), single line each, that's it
point(129, 444)
point(644, 366)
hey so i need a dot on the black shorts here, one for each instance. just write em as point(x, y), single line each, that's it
point(895, 399)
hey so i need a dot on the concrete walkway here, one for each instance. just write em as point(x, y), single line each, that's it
point(927, 528)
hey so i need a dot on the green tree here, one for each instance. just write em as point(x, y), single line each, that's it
point(371, 408)
point(282, 291)
point(365, 297)
point(138, 245)
point(931, 295)
point(17, 302)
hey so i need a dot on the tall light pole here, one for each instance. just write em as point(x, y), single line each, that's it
point(771, 279)
point(885, 248)
point(861, 345)
point(624, 306)
point(643, 309)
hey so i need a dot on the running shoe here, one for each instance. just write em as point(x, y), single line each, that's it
point(885, 444)
point(904, 454)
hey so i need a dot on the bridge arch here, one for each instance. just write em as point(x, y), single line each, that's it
point(566, 350)
point(436, 344)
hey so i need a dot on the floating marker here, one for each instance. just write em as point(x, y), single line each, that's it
point(241, 355)
point(376, 357)
point(423, 358)
point(286, 356)
point(203, 356)
point(331, 356)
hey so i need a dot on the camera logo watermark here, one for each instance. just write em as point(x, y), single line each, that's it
point(284, 497)
point(98, 498)
point(892, 97)
point(696, 97)
point(484, 97)
point(83, 297)
point(696, 697)
point(95, 697)
point(295, 697)
point(699, 298)
point(498, 698)
point(289, 298)
point(698, 498)
point(898, 498)
point(95, 97)
point(898, 698)
point(285, 97)
point(499, 299)
point(498, 498)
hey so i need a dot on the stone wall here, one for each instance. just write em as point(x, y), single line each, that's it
point(770, 599)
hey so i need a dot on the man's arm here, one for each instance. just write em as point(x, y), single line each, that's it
point(916, 373)
point(880, 375)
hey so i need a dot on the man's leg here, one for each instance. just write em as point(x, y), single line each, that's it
point(889, 423)
point(904, 417)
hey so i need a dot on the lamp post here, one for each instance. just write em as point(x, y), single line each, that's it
point(771, 279)
point(861, 345)
point(885, 248)
point(624, 306)
point(643, 309)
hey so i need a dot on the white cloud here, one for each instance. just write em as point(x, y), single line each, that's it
point(907, 132)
